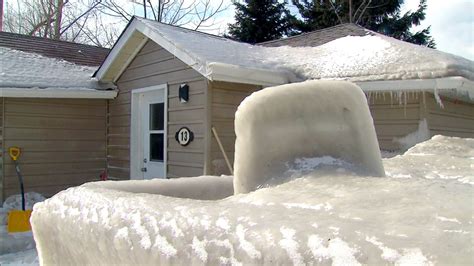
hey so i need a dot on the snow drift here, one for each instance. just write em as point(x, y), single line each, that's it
point(325, 212)
point(277, 125)
point(322, 216)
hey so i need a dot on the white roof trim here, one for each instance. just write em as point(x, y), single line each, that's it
point(57, 93)
point(116, 50)
point(233, 73)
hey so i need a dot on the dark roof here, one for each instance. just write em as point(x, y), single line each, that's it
point(319, 37)
point(80, 54)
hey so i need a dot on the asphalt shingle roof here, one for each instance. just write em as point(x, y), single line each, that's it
point(76, 53)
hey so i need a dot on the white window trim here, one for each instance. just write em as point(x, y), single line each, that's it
point(136, 132)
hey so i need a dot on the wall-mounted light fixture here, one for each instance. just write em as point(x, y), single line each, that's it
point(183, 93)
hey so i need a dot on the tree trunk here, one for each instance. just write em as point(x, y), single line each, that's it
point(59, 16)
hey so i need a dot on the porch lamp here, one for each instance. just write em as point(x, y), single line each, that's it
point(183, 93)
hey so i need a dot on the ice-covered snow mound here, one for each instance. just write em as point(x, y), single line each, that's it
point(440, 157)
point(277, 125)
point(325, 216)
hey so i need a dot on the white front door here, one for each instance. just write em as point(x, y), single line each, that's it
point(149, 107)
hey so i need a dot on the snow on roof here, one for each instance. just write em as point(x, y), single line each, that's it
point(28, 70)
point(355, 58)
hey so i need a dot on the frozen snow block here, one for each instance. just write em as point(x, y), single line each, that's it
point(277, 125)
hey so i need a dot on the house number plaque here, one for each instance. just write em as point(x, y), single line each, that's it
point(184, 136)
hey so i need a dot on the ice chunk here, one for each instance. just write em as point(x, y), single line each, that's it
point(277, 125)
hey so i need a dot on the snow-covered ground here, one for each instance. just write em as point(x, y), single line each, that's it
point(18, 248)
point(420, 214)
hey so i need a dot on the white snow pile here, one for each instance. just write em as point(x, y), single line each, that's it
point(29, 70)
point(357, 58)
point(17, 248)
point(277, 125)
point(325, 212)
point(323, 217)
point(447, 158)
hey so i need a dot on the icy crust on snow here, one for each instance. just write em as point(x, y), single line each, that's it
point(28, 70)
point(358, 58)
point(326, 216)
point(441, 157)
point(310, 119)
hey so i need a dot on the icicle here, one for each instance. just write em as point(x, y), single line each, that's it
point(406, 102)
point(438, 99)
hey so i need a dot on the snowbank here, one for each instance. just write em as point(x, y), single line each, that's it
point(325, 216)
point(445, 158)
point(277, 125)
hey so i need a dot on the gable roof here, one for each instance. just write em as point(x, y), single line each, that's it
point(79, 54)
point(368, 58)
point(320, 37)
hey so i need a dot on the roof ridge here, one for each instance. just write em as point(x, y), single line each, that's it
point(183, 28)
point(315, 31)
point(49, 40)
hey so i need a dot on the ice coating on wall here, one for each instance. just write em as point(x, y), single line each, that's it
point(277, 125)
point(322, 217)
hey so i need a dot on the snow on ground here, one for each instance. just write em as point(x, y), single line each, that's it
point(447, 158)
point(330, 216)
point(28, 70)
point(17, 248)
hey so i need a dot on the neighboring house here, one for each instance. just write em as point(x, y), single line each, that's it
point(414, 92)
point(52, 109)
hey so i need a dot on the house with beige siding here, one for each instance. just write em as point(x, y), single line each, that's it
point(178, 91)
point(163, 100)
point(52, 110)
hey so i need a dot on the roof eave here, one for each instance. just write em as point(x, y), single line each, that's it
point(463, 86)
point(254, 76)
point(75, 93)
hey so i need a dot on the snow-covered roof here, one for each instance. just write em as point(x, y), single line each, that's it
point(25, 74)
point(373, 57)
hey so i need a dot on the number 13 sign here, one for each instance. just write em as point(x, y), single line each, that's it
point(184, 136)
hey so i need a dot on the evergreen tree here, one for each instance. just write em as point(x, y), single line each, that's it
point(260, 20)
point(378, 15)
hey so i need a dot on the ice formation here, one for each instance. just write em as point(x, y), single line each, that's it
point(277, 125)
point(325, 212)
point(325, 216)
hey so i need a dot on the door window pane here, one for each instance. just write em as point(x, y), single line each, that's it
point(156, 147)
point(157, 116)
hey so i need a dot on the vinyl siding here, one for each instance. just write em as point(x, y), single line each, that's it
point(394, 118)
point(153, 65)
point(225, 98)
point(455, 119)
point(62, 143)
